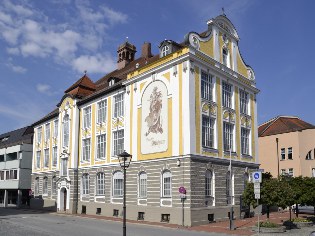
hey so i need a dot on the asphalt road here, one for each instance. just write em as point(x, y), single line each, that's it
point(15, 222)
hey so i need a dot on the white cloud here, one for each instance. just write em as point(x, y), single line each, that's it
point(17, 69)
point(69, 40)
point(43, 88)
point(13, 51)
point(113, 16)
point(94, 64)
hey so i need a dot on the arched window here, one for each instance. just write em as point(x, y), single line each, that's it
point(100, 183)
point(208, 184)
point(45, 185)
point(142, 185)
point(166, 184)
point(118, 182)
point(54, 185)
point(85, 184)
point(66, 131)
point(36, 186)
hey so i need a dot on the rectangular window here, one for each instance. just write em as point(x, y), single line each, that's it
point(7, 174)
point(38, 154)
point(2, 174)
point(226, 95)
point(46, 158)
point(207, 132)
point(243, 102)
point(86, 149)
point(39, 134)
point(56, 129)
point(101, 111)
point(143, 185)
point(85, 184)
point(119, 105)
point(282, 153)
point(13, 174)
point(36, 186)
point(283, 172)
point(100, 188)
point(167, 184)
point(64, 166)
point(309, 155)
point(54, 185)
point(290, 157)
point(313, 172)
point(47, 132)
point(290, 172)
point(245, 140)
point(206, 86)
point(54, 156)
point(228, 136)
point(101, 146)
point(118, 142)
point(87, 117)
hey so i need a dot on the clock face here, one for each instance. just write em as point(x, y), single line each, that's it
point(194, 41)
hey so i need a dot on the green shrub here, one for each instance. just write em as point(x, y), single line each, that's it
point(268, 224)
point(301, 220)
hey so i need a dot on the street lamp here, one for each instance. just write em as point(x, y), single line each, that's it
point(124, 162)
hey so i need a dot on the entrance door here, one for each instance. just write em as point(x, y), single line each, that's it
point(65, 199)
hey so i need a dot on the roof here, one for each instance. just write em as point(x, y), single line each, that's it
point(17, 137)
point(283, 124)
point(49, 116)
point(83, 87)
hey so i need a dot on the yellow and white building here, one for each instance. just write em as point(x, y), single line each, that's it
point(183, 114)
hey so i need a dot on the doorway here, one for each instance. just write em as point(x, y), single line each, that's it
point(63, 199)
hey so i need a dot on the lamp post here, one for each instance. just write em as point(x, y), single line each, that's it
point(124, 162)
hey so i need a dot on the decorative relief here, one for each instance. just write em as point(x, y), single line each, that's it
point(154, 130)
point(194, 39)
point(245, 121)
point(101, 128)
point(117, 122)
point(209, 109)
point(229, 115)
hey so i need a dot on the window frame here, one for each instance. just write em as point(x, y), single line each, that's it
point(46, 158)
point(227, 95)
point(118, 141)
point(36, 186)
point(142, 184)
point(101, 111)
point(38, 159)
point(39, 134)
point(66, 130)
point(100, 184)
point(56, 127)
point(165, 50)
point(101, 146)
point(245, 141)
point(118, 183)
point(244, 102)
point(282, 154)
point(85, 184)
point(54, 185)
point(207, 86)
point(208, 132)
point(86, 150)
point(209, 183)
point(45, 185)
point(47, 132)
point(290, 153)
point(54, 156)
point(119, 105)
point(166, 185)
point(228, 136)
point(87, 116)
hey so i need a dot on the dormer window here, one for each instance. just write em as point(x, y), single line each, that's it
point(111, 82)
point(165, 51)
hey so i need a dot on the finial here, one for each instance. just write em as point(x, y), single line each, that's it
point(85, 72)
point(127, 39)
point(223, 13)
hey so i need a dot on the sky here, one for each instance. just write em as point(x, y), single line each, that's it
point(45, 46)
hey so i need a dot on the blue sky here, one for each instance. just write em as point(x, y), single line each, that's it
point(45, 46)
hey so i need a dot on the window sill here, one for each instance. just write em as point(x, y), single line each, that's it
point(247, 156)
point(208, 149)
point(228, 153)
point(166, 197)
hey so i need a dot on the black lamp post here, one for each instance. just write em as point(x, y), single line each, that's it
point(124, 162)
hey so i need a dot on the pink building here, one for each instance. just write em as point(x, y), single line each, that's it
point(287, 146)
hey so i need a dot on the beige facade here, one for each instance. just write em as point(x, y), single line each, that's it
point(275, 153)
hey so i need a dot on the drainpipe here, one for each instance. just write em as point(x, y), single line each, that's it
point(277, 141)
point(77, 169)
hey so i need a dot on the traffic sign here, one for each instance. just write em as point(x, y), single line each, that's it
point(257, 196)
point(256, 185)
point(257, 191)
point(257, 177)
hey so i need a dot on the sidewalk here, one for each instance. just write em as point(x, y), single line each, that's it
point(243, 226)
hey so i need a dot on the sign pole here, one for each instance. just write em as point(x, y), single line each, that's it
point(258, 215)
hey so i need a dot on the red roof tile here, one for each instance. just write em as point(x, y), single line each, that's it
point(283, 124)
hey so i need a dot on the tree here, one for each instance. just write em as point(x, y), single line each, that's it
point(308, 196)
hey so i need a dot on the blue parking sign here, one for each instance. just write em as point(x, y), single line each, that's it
point(256, 177)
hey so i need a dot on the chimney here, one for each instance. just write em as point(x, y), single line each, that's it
point(126, 54)
point(146, 50)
